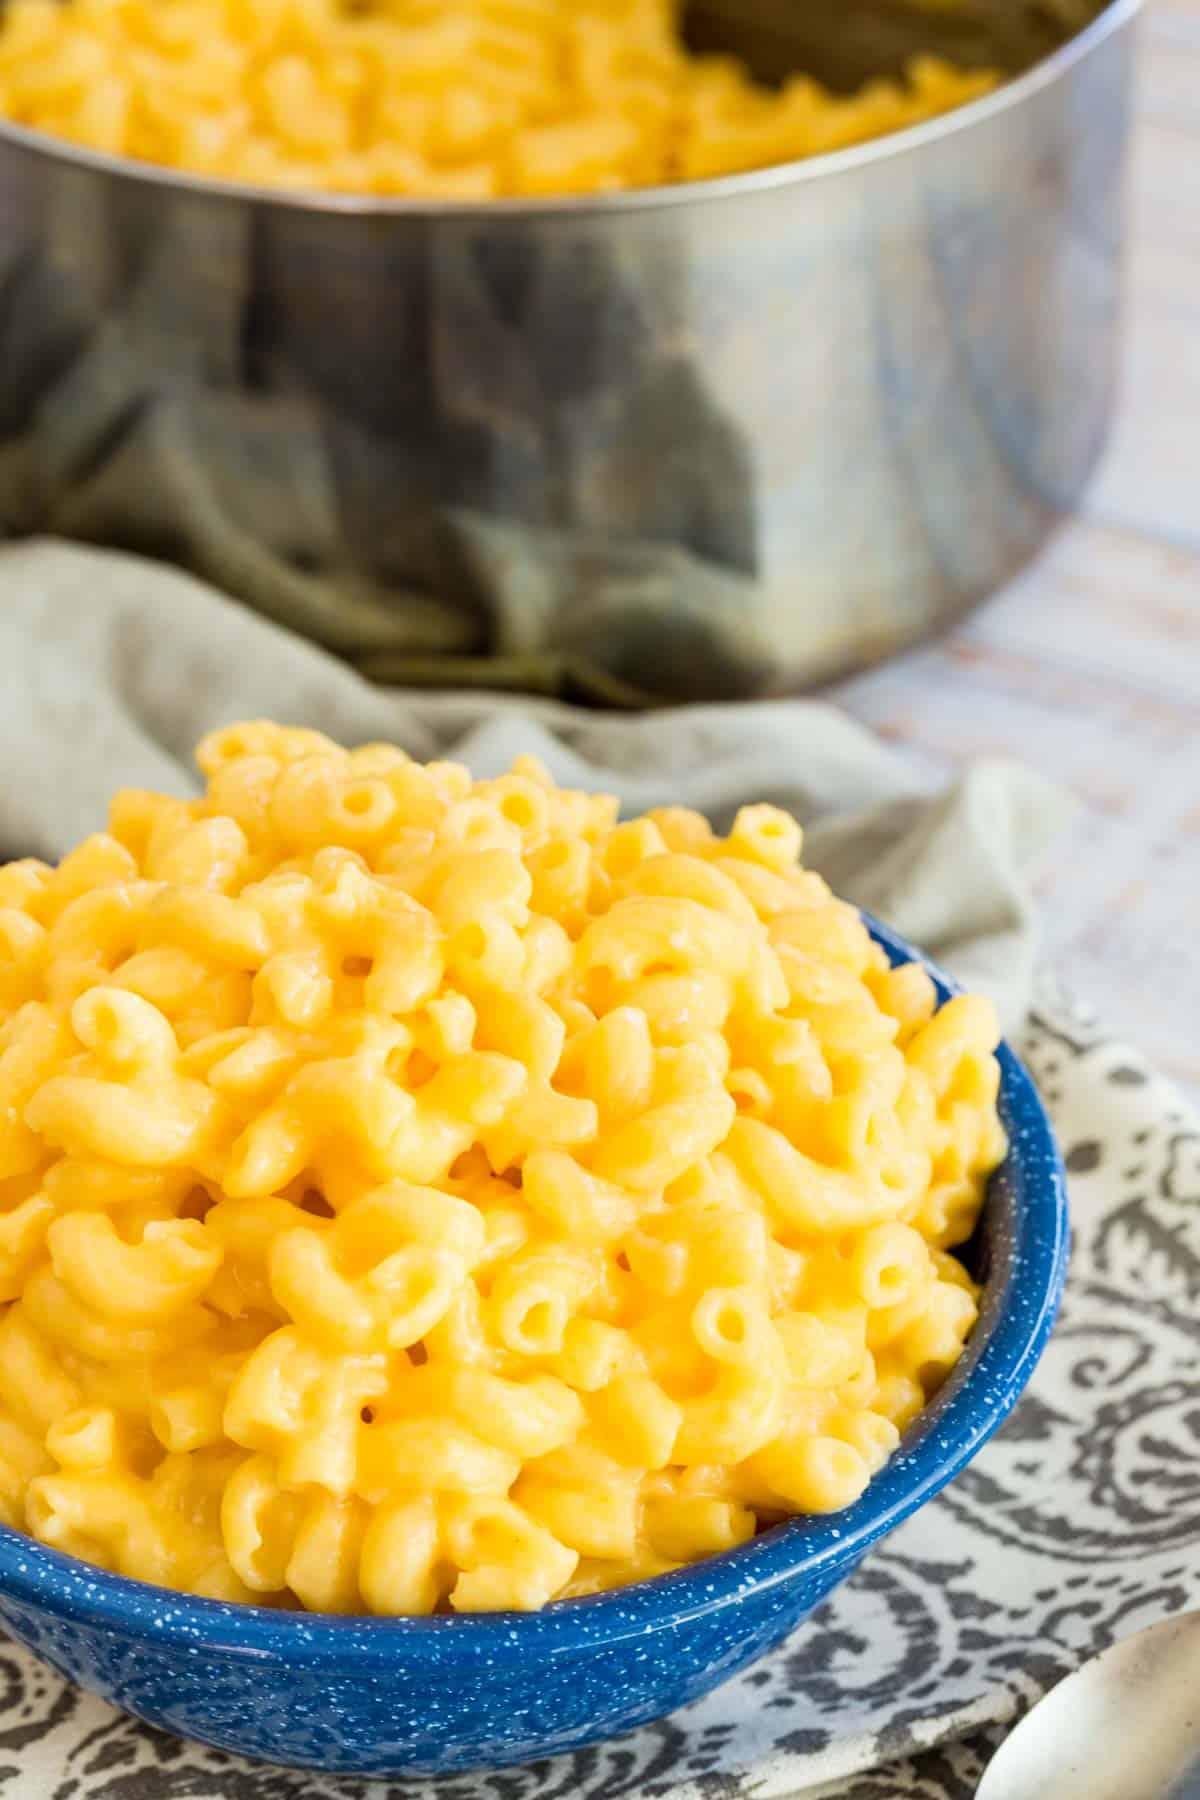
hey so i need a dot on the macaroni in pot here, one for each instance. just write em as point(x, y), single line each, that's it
point(462, 99)
point(422, 1192)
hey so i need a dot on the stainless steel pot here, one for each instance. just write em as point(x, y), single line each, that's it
point(727, 438)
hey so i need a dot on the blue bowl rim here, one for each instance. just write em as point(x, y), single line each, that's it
point(1014, 1326)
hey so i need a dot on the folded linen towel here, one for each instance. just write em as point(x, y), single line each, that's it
point(112, 667)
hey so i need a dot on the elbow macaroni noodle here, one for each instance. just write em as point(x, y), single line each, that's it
point(418, 1192)
point(462, 101)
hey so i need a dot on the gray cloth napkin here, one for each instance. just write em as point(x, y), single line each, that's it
point(111, 668)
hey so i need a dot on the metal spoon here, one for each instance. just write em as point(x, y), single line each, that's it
point(1126, 1726)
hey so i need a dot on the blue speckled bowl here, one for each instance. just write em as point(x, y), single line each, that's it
point(425, 1696)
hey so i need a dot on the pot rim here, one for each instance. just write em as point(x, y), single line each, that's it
point(827, 166)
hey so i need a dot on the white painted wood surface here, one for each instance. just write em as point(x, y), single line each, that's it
point(1088, 667)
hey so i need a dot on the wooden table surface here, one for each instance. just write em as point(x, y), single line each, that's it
point(1088, 667)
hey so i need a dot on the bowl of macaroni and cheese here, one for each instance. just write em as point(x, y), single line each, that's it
point(476, 1271)
point(624, 348)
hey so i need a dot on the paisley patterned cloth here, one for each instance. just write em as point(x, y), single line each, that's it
point(1078, 1524)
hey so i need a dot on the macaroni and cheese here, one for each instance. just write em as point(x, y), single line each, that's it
point(422, 1192)
point(465, 100)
